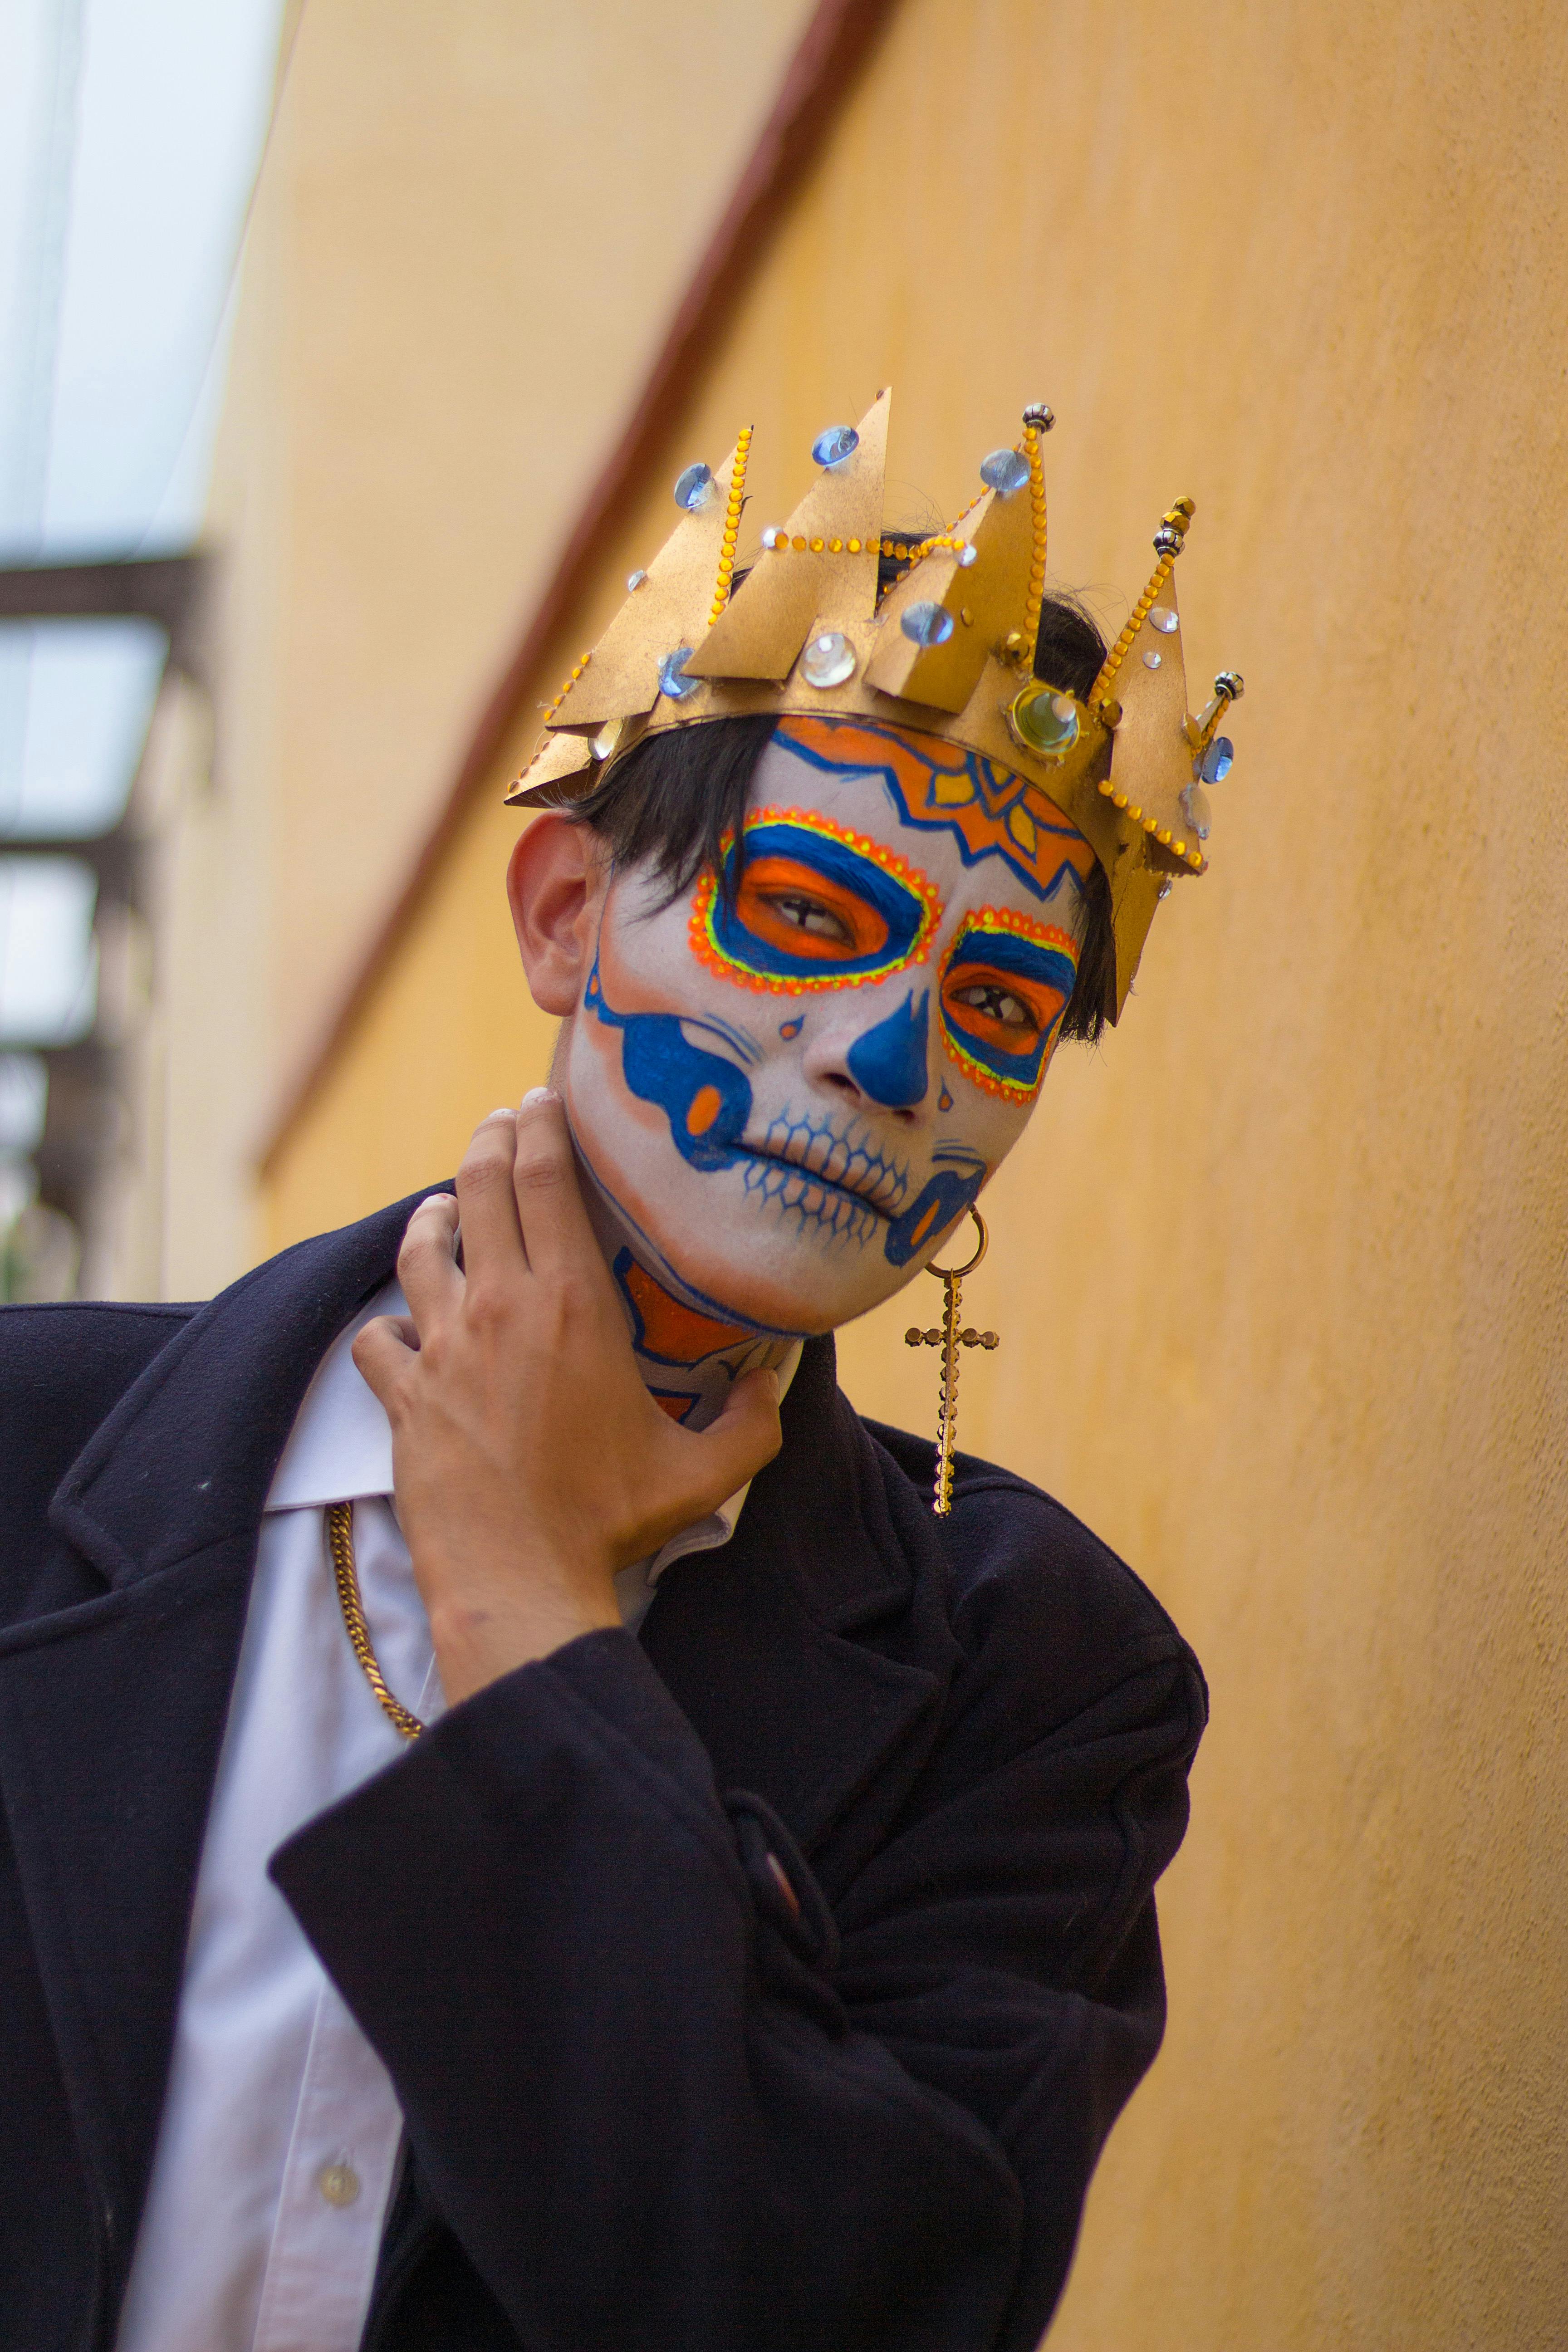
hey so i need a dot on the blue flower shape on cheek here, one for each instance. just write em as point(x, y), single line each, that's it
point(707, 1100)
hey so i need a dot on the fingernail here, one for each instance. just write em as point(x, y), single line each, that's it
point(538, 1095)
point(505, 1111)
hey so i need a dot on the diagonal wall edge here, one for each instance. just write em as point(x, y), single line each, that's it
point(819, 79)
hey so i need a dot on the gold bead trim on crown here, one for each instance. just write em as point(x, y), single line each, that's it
point(1037, 516)
point(1201, 732)
point(345, 1576)
point(916, 552)
point(898, 550)
point(731, 524)
point(556, 701)
point(1169, 541)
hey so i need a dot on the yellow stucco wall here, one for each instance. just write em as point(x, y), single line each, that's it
point(469, 229)
point(1279, 1269)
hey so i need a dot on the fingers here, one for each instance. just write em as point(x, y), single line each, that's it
point(425, 1267)
point(383, 1354)
point(745, 1437)
point(556, 1233)
point(492, 1240)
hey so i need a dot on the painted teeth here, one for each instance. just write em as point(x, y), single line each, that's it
point(835, 1215)
point(802, 1143)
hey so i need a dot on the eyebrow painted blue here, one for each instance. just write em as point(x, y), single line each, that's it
point(1006, 951)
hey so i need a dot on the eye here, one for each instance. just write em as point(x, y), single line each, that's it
point(783, 904)
point(809, 915)
point(995, 1004)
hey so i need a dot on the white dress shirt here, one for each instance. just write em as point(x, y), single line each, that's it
point(281, 2133)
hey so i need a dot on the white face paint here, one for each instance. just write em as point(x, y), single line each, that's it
point(788, 1096)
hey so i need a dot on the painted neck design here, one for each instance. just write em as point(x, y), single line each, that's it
point(689, 1350)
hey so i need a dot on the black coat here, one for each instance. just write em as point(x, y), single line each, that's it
point(647, 2104)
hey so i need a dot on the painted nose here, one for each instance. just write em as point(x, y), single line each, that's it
point(890, 1062)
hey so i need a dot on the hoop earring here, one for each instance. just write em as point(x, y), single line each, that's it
point(950, 1338)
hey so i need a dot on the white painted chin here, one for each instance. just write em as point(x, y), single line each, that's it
point(770, 1243)
point(766, 1244)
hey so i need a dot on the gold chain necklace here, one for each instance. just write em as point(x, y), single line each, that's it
point(341, 1541)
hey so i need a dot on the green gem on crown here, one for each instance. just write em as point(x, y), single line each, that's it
point(1044, 720)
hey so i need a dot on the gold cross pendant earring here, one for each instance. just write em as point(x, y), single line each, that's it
point(950, 1338)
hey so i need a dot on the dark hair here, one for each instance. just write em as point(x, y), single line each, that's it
point(673, 799)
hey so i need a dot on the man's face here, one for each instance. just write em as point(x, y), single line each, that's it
point(795, 1096)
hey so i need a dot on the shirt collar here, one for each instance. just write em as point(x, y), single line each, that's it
point(340, 1448)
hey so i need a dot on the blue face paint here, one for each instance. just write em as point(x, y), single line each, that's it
point(981, 805)
point(890, 1063)
point(1007, 1057)
point(934, 1209)
point(1008, 951)
point(707, 1100)
point(810, 906)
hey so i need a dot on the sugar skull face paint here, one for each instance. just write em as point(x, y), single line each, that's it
point(939, 787)
point(804, 903)
point(785, 1166)
point(1005, 987)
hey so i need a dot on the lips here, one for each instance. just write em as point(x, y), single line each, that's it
point(835, 1162)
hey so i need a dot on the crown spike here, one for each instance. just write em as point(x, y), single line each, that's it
point(990, 590)
point(1152, 738)
point(667, 611)
point(1169, 541)
point(826, 574)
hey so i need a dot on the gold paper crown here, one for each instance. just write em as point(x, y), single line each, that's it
point(948, 652)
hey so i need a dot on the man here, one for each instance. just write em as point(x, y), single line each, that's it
point(524, 1828)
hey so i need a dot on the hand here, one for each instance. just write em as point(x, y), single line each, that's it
point(529, 1462)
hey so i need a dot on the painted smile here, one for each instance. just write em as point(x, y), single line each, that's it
point(837, 1163)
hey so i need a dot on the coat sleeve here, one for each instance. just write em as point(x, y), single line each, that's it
point(662, 2097)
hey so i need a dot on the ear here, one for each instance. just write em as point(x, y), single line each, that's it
point(554, 883)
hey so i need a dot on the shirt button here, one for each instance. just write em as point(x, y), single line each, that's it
point(339, 2183)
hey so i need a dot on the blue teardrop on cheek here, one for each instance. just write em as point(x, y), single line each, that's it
point(944, 1100)
point(792, 1028)
point(890, 1063)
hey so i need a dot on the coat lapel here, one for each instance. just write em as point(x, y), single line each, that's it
point(812, 1653)
point(112, 1707)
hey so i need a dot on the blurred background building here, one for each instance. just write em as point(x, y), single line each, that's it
point(350, 356)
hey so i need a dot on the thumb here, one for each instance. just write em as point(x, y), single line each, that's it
point(747, 1435)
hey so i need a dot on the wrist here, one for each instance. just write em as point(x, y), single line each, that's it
point(479, 1637)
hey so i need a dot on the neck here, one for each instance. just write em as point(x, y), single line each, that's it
point(689, 1350)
